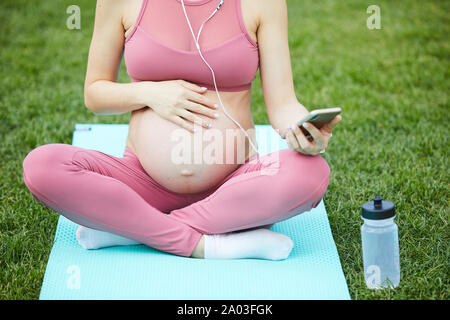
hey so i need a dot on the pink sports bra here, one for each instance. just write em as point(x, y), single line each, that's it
point(161, 47)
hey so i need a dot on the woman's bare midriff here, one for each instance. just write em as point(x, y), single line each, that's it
point(186, 162)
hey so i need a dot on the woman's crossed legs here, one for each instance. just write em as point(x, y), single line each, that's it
point(116, 195)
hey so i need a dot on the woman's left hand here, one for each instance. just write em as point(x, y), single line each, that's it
point(297, 141)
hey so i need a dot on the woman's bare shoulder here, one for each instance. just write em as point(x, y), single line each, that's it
point(111, 5)
point(124, 12)
point(263, 10)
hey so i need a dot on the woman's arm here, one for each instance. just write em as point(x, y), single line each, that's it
point(102, 94)
point(277, 84)
point(175, 100)
point(283, 108)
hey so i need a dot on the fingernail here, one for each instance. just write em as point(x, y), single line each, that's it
point(216, 115)
point(203, 88)
point(216, 105)
point(305, 125)
point(209, 125)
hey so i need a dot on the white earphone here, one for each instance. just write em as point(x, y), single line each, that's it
point(212, 71)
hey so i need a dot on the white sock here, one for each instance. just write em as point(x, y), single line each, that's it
point(257, 244)
point(95, 239)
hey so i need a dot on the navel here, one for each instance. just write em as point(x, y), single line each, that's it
point(186, 173)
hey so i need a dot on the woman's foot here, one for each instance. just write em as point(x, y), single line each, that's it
point(95, 239)
point(254, 244)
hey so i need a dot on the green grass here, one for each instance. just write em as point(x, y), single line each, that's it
point(391, 83)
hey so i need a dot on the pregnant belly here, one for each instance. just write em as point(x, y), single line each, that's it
point(186, 162)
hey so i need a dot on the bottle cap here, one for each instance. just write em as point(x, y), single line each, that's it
point(378, 209)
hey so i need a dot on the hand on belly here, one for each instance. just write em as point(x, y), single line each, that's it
point(186, 162)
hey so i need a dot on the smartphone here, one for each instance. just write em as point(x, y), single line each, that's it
point(318, 118)
point(321, 116)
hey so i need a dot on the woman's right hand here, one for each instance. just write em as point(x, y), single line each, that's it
point(180, 102)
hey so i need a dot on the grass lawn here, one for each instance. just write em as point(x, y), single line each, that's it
point(392, 85)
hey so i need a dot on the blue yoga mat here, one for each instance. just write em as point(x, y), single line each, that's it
point(312, 271)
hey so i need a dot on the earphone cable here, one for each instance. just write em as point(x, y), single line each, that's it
point(255, 148)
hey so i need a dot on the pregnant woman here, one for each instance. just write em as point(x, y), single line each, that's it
point(193, 207)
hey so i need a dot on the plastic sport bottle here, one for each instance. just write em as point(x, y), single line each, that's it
point(379, 235)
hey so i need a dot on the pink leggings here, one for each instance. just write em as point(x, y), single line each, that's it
point(116, 195)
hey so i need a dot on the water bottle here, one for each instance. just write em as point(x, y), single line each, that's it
point(379, 235)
